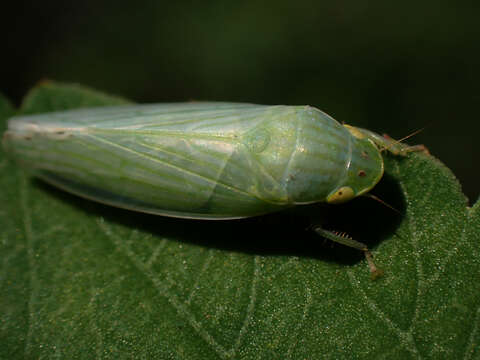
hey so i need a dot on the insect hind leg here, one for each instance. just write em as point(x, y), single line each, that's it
point(344, 239)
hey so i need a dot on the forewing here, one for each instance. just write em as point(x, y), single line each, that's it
point(167, 159)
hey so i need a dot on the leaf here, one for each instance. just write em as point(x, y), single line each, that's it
point(83, 280)
point(52, 96)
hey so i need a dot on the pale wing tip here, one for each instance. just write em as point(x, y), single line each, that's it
point(29, 126)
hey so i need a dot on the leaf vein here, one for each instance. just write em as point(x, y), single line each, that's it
point(301, 323)
point(412, 226)
point(471, 345)
point(250, 307)
point(29, 237)
point(164, 291)
point(156, 251)
point(405, 337)
point(204, 268)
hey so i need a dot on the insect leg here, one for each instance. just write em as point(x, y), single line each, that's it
point(344, 239)
point(386, 143)
point(419, 148)
point(396, 147)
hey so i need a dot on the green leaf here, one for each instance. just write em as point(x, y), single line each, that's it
point(53, 96)
point(83, 280)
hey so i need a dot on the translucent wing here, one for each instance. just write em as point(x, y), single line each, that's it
point(195, 160)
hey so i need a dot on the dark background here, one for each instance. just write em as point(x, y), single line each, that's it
point(388, 66)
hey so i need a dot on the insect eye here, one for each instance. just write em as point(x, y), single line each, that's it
point(343, 194)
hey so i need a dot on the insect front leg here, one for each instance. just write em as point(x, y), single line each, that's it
point(396, 147)
point(385, 142)
point(348, 241)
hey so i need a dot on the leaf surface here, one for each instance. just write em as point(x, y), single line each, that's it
point(84, 280)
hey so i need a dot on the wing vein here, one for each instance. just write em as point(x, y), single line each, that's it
point(156, 160)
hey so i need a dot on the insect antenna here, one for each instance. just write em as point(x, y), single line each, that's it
point(371, 196)
point(399, 142)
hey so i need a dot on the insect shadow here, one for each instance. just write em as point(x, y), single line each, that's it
point(286, 233)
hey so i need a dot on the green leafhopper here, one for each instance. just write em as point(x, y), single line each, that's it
point(202, 160)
